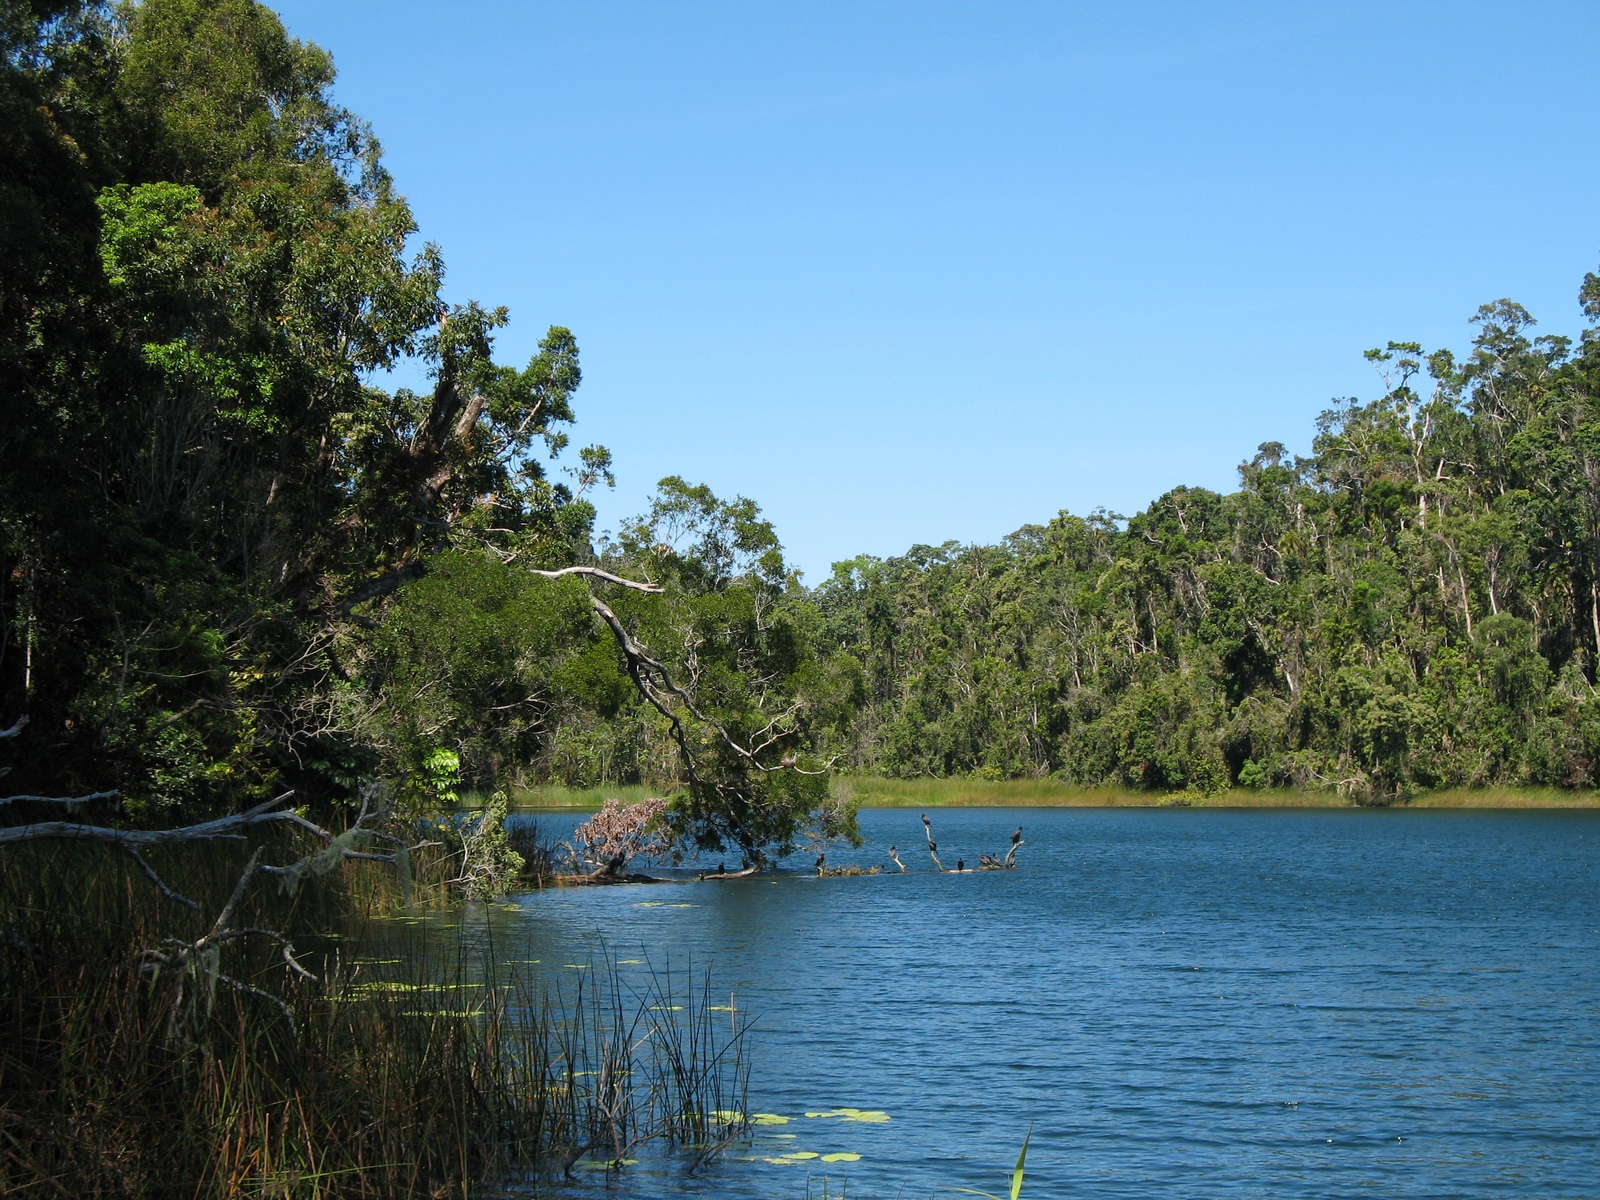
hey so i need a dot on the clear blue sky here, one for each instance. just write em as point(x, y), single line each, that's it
point(904, 272)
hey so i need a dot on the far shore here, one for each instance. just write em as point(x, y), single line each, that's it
point(870, 792)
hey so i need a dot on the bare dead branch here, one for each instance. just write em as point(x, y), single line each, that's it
point(597, 573)
point(283, 1008)
point(220, 828)
point(160, 883)
point(67, 800)
point(21, 723)
point(381, 586)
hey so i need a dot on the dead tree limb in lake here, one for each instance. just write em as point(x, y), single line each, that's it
point(894, 855)
point(933, 846)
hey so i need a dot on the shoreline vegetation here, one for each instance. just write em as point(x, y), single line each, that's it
point(871, 792)
point(391, 1060)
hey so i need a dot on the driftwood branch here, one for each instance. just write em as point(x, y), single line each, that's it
point(266, 812)
point(742, 873)
point(16, 728)
point(1011, 854)
point(150, 873)
point(933, 846)
point(67, 800)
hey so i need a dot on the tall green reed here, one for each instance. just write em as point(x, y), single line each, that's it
point(430, 1076)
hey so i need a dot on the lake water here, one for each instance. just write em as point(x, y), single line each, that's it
point(1179, 1002)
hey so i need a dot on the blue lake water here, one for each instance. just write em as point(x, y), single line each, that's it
point(1179, 1002)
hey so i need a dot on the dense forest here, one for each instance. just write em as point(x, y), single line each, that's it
point(230, 562)
point(1414, 605)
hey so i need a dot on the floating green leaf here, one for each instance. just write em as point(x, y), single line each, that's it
point(768, 1119)
point(866, 1116)
point(842, 1156)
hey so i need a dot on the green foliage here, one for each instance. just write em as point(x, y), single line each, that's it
point(1416, 605)
point(736, 633)
point(207, 509)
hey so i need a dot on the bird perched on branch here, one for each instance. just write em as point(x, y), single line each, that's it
point(933, 846)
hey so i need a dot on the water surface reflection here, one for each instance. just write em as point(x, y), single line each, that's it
point(1203, 1003)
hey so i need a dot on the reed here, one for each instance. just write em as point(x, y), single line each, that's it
point(430, 1074)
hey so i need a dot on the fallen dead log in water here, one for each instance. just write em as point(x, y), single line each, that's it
point(742, 873)
point(601, 878)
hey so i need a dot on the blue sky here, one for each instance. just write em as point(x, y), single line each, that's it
point(910, 272)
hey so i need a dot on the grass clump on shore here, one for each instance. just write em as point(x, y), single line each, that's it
point(951, 792)
point(963, 792)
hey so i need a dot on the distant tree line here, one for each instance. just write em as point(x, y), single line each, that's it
point(1414, 605)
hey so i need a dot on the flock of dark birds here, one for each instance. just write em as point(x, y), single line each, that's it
point(986, 862)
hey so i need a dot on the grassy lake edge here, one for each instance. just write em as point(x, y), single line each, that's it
point(872, 792)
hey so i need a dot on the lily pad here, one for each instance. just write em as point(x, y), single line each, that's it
point(842, 1156)
point(768, 1119)
point(864, 1115)
point(666, 1008)
point(723, 1008)
point(626, 962)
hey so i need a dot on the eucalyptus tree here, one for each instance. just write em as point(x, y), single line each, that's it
point(232, 562)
